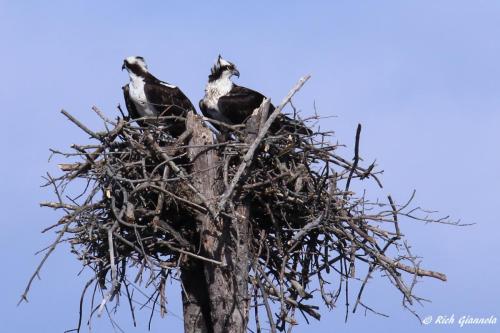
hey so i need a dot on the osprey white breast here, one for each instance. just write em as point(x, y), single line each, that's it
point(216, 89)
point(138, 96)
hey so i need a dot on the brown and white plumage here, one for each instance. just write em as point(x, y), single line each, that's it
point(147, 96)
point(232, 104)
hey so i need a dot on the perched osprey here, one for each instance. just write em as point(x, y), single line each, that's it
point(232, 104)
point(146, 96)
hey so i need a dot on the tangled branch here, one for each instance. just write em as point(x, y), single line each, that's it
point(139, 207)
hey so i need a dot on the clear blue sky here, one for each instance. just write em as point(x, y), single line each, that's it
point(423, 77)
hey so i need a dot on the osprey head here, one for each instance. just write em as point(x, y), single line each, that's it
point(223, 69)
point(135, 65)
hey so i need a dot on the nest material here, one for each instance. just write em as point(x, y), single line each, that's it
point(141, 206)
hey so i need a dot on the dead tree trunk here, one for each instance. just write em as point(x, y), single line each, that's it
point(195, 297)
point(223, 240)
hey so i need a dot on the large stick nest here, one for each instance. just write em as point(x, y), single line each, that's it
point(139, 203)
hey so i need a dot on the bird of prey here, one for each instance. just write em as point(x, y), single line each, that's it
point(227, 102)
point(146, 96)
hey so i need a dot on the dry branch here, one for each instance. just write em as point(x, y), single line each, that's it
point(270, 213)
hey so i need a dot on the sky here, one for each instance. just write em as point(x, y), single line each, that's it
point(421, 76)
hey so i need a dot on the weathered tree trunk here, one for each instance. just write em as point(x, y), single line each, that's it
point(195, 300)
point(240, 229)
point(223, 240)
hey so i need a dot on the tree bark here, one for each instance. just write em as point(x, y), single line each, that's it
point(196, 298)
point(222, 239)
point(216, 295)
point(195, 301)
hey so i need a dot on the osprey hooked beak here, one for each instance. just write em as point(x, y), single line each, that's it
point(124, 66)
point(235, 72)
point(225, 66)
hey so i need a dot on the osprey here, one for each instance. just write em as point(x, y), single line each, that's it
point(146, 96)
point(232, 104)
